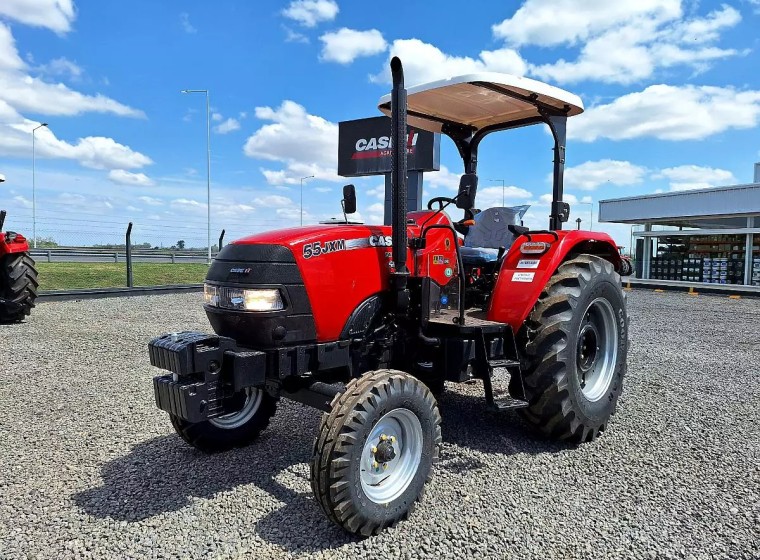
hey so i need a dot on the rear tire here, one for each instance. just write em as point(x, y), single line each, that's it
point(18, 287)
point(375, 451)
point(577, 351)
point(236, 429)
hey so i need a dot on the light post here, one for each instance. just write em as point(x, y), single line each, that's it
point(502, 188)
point(590, 213)
point(302, 178)
point(34, 188)
point(208, 164)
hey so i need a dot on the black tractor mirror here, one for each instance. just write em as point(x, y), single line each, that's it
point(561, 210)
point(349, 200)
point(468, 188)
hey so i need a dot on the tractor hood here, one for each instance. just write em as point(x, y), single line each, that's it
point(322, 272)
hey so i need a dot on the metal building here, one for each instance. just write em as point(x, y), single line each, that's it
point(707, 235)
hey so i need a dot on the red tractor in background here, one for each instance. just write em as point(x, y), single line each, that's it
point(366, 322)
point(18, 277)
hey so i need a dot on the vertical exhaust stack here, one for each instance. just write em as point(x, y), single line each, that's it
point(398, 186)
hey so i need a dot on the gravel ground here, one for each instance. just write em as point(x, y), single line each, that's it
point(89, 468)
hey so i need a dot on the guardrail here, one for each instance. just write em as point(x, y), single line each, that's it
point(112, 255)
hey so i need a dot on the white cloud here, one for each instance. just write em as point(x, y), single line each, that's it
point(620, 42)
point(590, 175)
point(345, 45)
point(184, 21)
point(556, 22)
point(311, 12)
point(227, 126)
point(61, 67)
point(188, 205)
point(443, 179)
point(56, 15)
point(150, 201)
point(293, 36)
point(497, 196)
point(424, 62)
point(123, 177)
point(272, 201)
point(688, 177)
point(96, 152)
point(23, 202)
point(633, 50)
point(9, 57)
point(669, 113)
point(26, 93)
point(322, 189)
point(306, 144)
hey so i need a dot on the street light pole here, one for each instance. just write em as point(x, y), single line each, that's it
point(208, 165)
point(502, 188)
point(34, 188)
point(590, 213)
point(302, 178)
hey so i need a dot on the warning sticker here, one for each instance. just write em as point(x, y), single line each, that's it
point(523, 276)
point(528, 263)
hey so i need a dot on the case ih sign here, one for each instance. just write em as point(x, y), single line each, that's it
point(364, 148)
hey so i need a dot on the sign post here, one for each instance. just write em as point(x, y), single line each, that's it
point(364, 148)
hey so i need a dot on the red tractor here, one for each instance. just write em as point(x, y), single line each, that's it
point(18, 277)
point(367, 322)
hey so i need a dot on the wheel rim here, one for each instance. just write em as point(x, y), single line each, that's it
point(597, 349)
point(391, 456)
point(239, 418)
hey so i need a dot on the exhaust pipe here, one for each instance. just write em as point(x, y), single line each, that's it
point(398, 186)
point(2, 219)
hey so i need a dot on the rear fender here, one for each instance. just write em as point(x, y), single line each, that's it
point(18, 245)
point(523, 277)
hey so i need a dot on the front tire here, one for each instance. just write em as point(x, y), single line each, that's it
point(577, 352)
point(375, 451)
point(18, 287)
point(236, 429)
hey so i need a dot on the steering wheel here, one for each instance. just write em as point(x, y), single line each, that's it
point(440, 201)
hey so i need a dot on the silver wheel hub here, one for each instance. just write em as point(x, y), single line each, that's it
point(597, 349)
point(391, 456)
point(241, 417)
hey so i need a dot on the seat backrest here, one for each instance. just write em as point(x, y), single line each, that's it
point(491, 227)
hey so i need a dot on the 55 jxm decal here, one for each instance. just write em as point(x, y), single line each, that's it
point(316, 249)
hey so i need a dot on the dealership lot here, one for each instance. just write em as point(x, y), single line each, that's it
point(90, 468)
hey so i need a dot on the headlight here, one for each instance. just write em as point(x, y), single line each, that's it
point(243, 299)
point(262, 300)
point(210, 295)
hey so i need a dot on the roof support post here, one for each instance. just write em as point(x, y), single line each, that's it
point(559, 212)
point(400, 275)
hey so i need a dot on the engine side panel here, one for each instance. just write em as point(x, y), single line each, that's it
point(343, 265)
point(523, 277)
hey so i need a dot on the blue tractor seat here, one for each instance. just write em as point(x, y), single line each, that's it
point(491, 231)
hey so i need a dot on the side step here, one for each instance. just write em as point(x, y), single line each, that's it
point(486, 368)
point(503, 363)
point(507, 403)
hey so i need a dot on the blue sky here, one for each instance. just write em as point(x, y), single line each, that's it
point(671, 89)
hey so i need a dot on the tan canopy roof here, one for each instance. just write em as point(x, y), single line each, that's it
point(481, 100)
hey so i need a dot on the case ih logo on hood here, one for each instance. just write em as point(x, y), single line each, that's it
point(240, 271)
point(368, 148)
